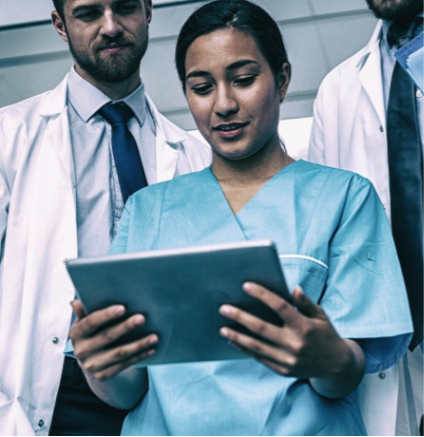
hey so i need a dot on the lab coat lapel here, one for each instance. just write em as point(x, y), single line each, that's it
point(370, 75)
point(54, 108)
point(168, 145)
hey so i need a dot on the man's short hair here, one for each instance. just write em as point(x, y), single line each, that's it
point(59, 6)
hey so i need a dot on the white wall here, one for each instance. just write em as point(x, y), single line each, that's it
point(318, 33)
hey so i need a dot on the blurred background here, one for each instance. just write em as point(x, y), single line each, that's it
point(319, 34)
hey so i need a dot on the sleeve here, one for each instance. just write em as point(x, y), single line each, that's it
point(120, 242)
point(4, 207)
point(316, 143)
point(365, 295)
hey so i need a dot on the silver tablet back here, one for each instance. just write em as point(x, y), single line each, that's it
point(180, 292)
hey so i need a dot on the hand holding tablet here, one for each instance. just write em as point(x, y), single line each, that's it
point(179, 293)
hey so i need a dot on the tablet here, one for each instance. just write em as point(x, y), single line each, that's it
point(180, 291)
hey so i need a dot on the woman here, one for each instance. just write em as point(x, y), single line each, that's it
point(331, 233)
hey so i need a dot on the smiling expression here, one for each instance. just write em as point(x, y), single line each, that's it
point(232, 93)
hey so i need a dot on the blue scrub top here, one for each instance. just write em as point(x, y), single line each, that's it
point(333, 239)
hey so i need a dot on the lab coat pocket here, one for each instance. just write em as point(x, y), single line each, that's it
point(310, 273)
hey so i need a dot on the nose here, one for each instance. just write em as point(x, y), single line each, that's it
point(110, 26)
point(225, 102)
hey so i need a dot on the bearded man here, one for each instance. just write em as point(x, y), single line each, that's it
point(69, 159)
point(369, 118)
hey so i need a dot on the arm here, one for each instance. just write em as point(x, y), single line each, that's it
point(306, 346)
point(4, 208)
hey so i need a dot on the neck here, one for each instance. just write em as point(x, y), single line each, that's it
point(114, 90)
point(256, 169)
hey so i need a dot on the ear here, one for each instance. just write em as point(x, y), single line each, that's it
point(284, 80)
point(59, 25)
point(149, 10)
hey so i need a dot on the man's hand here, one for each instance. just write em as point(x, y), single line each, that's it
point(93, 338)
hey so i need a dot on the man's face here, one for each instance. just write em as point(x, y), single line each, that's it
point(396, 10)
point(107, 38)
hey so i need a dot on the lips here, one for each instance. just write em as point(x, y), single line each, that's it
point(114, 48)
point(230, 130)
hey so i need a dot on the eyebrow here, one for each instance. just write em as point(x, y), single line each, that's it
point(84, 8)
point(90, 7)
point(233, 66)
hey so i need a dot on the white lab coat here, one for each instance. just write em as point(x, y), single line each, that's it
point(37, 232)
point(349, 132)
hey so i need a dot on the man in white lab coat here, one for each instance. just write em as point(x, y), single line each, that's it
point(69, 158)
point(360, 124)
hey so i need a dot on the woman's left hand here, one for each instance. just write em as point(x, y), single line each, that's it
point(306, 346)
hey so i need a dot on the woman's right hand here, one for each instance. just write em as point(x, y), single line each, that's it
point(93, 336)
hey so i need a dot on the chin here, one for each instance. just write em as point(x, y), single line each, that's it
point(233, 153)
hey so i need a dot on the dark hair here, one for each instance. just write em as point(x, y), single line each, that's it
point(59, 6)
point(238, 14)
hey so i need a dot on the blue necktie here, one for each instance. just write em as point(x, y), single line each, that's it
point(406, 178)
point(125, 152)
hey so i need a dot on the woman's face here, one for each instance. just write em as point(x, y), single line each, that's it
point(232, 93)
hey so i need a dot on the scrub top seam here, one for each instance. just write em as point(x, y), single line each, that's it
point(305, 257)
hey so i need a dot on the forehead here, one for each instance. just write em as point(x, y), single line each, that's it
point(221, 48)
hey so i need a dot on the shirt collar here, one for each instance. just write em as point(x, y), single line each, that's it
point(86, 99)
point(385, 28)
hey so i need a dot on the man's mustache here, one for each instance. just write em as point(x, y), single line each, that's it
point(108, 42)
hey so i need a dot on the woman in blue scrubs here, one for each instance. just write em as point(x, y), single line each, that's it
point(333, 240)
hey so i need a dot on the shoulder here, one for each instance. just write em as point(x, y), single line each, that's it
point(35, 109)
point(347, 72)
point(336, 78)
point(336, 180)
point(198, 152)
point(22, 109)
point(192, 145)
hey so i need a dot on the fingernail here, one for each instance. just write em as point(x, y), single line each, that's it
point(151, 352)
point(225, 332)
point(226, 309)
point(248, 286)
point(138, 320)
point(119, 310)
point(153, 340)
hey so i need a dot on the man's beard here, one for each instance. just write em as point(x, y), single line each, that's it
point(395, 10)
point(115, 67)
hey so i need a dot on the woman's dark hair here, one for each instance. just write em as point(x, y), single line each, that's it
point(238, 14)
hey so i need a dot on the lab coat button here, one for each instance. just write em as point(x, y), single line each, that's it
point(65, 261)
point(41, 423)
point(419, 94)
point(381, 129)
point(55, 340)
point(381, 375)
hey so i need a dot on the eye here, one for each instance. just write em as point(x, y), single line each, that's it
point(202, 89)
point(245, 81)
point(88, 15)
